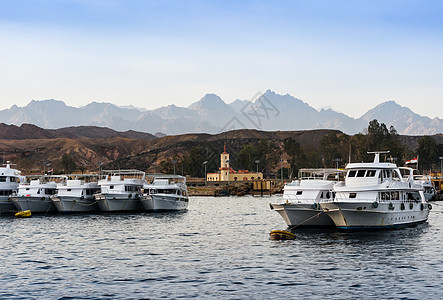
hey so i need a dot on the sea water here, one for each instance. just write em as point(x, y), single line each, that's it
point(218, 248)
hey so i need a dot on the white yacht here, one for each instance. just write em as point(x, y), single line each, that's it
point(36, 195)
point(425, 180)
point(120, 190)
point(77, 194)
point(300, 204)
point(168, 192)
point(375, 195)
point(9, 182)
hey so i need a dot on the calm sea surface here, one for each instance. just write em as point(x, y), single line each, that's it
point(219, 248)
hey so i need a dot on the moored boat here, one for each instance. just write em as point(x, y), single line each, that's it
point(77, 194)
point(375, 195)
point(300, 202)
point(36, 195)
point(9, 181)
point(168, 192)
point(410, 174)
point(120, 190)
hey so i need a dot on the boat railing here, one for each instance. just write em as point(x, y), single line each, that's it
point(129, 174)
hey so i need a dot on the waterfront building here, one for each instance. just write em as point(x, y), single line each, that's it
point(226, 173)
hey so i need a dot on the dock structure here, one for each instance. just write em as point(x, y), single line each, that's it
point(266, 187)
point(437, 181)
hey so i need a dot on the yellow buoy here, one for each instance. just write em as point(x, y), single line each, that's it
point(281, 235)
point(23, 214)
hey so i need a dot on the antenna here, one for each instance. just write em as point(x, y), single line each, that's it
point(377, 155)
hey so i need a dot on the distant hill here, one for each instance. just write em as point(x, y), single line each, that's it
point(269, 112)
point(29, 131)
point(29, 145)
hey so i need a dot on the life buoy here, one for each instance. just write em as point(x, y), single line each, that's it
point(375, 204)
point(391, 206)
point(402, 206)
point(411, 205)
point(129, 196)
point(429, 206)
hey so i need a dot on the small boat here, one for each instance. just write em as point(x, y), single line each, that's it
point(120, 190)
point(168, 193)
point(9, 181)
point(23, 214)
point(375, 195)
point(36, 195)
point(300, 205)
point(77, 194)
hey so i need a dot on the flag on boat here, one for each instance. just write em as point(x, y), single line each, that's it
point(412, 161)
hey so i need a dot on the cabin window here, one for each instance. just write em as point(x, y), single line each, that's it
point(370, 173)
point(382, 196)
point(50, 191)
point(352, 195)
point(299, 192)
point(2, 178)
point(328, 195)
point(69, 190)
point(111, 187)
point(352, 173)
point(361, 173)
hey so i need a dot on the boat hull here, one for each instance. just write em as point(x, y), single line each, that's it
point(34, 204)
point(168, 202)
point(303, 215)
point(117, 202)
point(70, 204)
point(6, 205)
point(366, 215)
point(147, 203)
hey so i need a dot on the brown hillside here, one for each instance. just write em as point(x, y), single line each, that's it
point(29, 146)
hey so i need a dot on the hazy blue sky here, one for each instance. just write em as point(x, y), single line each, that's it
point(349, 55)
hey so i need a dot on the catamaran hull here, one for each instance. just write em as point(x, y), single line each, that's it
point(114, 203)
point(169, 203)
point(351, 215)
point(34, 204)
point(67, 204)
point(302, 215)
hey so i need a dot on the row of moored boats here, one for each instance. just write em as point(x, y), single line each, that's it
point(109, 191)
point(364, 196)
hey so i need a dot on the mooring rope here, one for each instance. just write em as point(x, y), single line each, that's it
point(294, 226)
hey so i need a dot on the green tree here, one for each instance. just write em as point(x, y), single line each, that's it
point(427, 153)
point(68, 163)
point(296, 154)
point(265, 151)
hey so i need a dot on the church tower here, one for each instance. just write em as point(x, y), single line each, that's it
point(224, 165)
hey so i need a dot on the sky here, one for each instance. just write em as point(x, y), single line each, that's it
point(348, 55)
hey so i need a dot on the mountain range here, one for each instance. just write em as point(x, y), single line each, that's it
point(268, 112)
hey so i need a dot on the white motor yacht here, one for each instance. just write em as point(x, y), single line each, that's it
point(425, 180)
point(375, 195)
point(120, 190)
point(77, 194)
point(300, 204)
point(168, 192)
point(9, 182)
point(36, 195)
